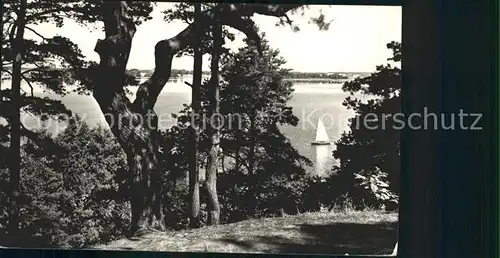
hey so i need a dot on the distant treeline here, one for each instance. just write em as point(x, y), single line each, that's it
point(297, 75)
point(174, 73)
point(292, 75)
point(316, 80)
point(66, 75)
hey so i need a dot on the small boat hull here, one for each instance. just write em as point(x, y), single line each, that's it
point(320, 143)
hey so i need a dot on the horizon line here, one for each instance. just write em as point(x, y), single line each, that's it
point(292, 70)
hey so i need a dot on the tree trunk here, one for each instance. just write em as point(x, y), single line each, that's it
point(133, 124)
point(15, 127)
point(238, 149)
point(223, 163)
point(194, 184)
point(214, 131)
point(251, 152)
point(137, 132)
point(146, 200)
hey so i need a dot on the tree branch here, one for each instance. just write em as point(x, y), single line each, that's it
point(6, 31)
point(29, 84)
point(7, 19)
point(14, 9)
point(38, 66)
point(7, 71)
point(31, 70)
point(165, 50)
point(13, 30)
point(34, 31)
point(242, 161)
point(276, 10)
point(46, 12)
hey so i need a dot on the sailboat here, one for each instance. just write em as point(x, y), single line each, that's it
point(321, 135)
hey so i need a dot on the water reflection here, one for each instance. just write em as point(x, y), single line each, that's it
point(321, 154)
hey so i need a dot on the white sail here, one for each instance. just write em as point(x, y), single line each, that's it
point(321, 135)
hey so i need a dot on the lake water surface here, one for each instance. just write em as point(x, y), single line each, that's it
point(310, 102)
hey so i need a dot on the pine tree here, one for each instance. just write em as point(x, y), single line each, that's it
point(369, 158)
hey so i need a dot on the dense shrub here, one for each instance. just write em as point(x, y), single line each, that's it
point(268, 192)
point(71, 194)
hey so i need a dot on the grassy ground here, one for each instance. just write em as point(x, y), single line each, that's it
point(353, 232)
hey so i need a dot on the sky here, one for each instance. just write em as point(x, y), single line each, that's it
point(355, 42)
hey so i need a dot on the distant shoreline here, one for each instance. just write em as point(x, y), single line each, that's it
point(295, 76)
point(295, 80)
point(302, 80)
point(317, 80)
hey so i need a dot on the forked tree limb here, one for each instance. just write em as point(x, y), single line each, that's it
point(225, 14)
point(108, 82)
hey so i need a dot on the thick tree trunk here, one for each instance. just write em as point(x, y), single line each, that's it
point(136, 131)
point(194, 179)
point(15, 141)
point(133, 124)
point(214, 131)
point(146, 203)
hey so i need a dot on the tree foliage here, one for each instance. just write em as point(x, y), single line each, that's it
point(74, 192)
point(369, 156)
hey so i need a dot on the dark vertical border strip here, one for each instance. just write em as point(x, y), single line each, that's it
point(439, 193)
point(494, 244)
point(421, 79)
point(452, 162)
point(468, 158)
point(492, 221)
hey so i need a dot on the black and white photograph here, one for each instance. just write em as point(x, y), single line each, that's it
point(200, 127)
